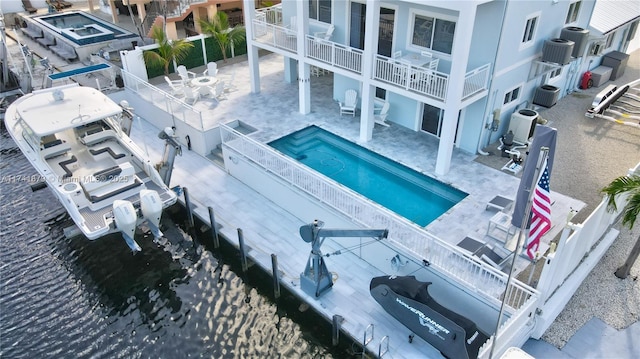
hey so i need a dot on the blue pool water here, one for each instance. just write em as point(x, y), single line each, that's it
point(417, 197)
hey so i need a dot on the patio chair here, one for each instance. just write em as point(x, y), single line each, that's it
point(218, 91)
point(230, 82)
point(191, 96)
point(381, 117)
point(325, 35)
point(63, 4)
point(212, 69)
point(502, 204)
point(470, 245)
point(495, 256)
point(185, 74)
point(177, 87)
point(350, 103)
point(26, 4)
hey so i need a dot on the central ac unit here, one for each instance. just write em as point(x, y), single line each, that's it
point(522, 124)
point(597, 48)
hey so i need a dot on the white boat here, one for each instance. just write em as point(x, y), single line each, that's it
point(74, 138)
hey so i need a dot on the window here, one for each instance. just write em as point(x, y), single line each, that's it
point(610, 40)
point(572, 14)
point(530, 30)
point(320, 10)
point(433, 33)
point(555, 73)
point(511, 96)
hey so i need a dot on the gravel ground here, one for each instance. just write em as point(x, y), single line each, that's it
point(590, 153)
point(602, 295)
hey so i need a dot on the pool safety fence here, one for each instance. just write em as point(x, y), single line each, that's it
point(472, 273)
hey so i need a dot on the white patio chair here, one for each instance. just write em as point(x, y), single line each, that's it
point(191, 96)
point(230, 82)
point(218, 91)
point(350, 103)
point(325, 35)
point(381, 116)
point(177, 87)
point(212, 69)
point(185, 75)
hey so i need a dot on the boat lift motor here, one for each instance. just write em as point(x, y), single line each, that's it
point(316, 278)
point(171, 149)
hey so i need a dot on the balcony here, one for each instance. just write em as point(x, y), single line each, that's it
point(405, 75)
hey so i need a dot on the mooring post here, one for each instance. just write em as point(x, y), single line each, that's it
point(187, 203)
point(243, 255)
point(335, 329)
point(214, 229)
point(276, 277)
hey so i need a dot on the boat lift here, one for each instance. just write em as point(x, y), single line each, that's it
point(316, 278)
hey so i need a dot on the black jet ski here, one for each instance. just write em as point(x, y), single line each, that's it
point(408, 300)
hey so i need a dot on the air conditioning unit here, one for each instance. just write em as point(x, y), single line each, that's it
point(522, 124)
point(597, 48)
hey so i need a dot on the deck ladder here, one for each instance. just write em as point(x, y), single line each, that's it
point(368, 337)
point(383, 342)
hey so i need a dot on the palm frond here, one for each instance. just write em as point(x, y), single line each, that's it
point(627, 185)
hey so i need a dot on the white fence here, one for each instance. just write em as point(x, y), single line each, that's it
point(274, 35)
point(178, 109)
point(486, 280)
point(575, 256)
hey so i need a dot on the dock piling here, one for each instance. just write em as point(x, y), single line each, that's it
point(335, 329)
point(276, 277)
point(243, 254)
point(187, 203)
point(214, 229)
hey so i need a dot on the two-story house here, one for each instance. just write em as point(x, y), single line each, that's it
point(456, 70)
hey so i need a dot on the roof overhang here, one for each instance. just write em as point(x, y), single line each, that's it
point(610, 15)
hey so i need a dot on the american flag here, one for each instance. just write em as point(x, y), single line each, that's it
point(540, 212)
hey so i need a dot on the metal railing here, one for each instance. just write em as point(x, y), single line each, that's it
point(177, 108)
point(403, 234)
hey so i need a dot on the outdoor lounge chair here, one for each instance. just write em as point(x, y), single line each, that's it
point(185, 74)
point(494, 256)
point(26, 4)
point(350, 101)
point(177, 88)
point(381, 117)
point(212, 69)
point(502, 204)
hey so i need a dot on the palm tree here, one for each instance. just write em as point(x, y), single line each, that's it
point(219, 29)
point(168, 50)
point(628, 185)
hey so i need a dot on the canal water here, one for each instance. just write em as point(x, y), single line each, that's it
point(179, 298)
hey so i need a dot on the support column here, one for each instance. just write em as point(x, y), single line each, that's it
point(290, 70)
point(141, 11)
point(460, 57)
point(367, 94)
point(249, 7)
point(114, 11)
point(91, 5)
point(171, 31)
point(196, 19)
point(304, 88)
point(304, 73)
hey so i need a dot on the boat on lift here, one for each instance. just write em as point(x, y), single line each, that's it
point(75, 137)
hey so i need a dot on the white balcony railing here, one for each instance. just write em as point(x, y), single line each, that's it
point(274, 35)
point(334, 54)
point(268, 29)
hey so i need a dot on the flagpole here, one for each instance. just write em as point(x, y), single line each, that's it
point(544, 153)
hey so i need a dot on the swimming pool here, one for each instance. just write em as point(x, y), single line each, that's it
point(419, 198)
point(82, 28)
